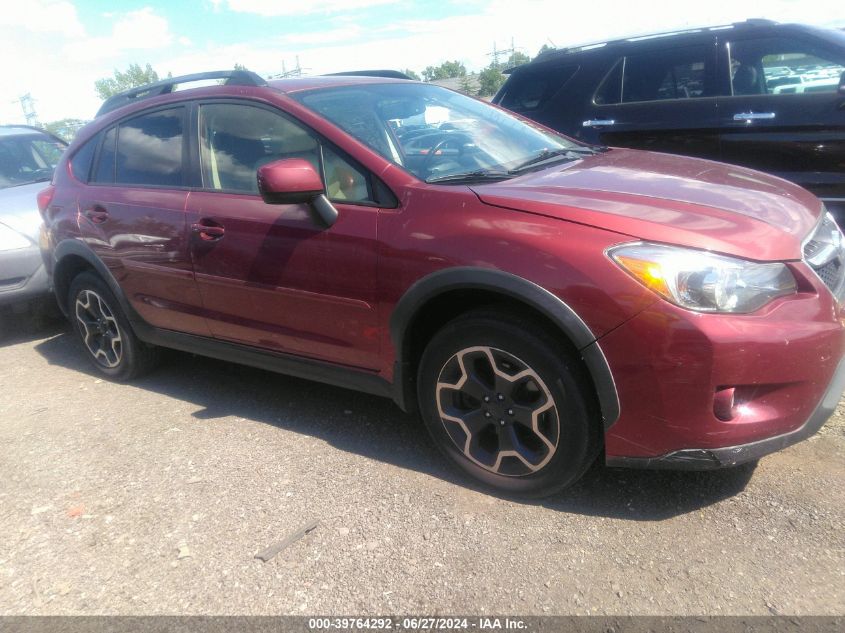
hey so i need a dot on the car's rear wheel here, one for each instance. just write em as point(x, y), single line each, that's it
point(508, 403)
point(108, 340)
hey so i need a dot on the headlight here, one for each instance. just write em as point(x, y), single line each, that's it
point(11, 240)
point(702, 281)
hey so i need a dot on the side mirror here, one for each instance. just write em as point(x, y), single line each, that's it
point(841, 89)
point(295, 181)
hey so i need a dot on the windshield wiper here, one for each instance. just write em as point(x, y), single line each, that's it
point(549, 154)
point(471, 176)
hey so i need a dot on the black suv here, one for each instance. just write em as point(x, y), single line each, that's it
point(757, 93)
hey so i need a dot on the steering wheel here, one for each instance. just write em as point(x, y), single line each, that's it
point(447, 139)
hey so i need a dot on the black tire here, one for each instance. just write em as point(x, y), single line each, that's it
point(101, 325)
point(519, 347)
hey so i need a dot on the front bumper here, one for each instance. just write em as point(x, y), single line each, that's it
point(713, 458)
point(672, 369)
point(22, 276)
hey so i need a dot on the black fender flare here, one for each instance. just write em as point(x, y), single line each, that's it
point(78, 248)
point(515, 287)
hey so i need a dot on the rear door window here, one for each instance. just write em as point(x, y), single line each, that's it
point(658, 75)
point(531, 90)
point(150, 148)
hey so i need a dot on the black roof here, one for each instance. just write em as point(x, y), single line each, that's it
point(21, 128)
point(755, 23)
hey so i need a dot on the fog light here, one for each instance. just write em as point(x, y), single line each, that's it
point(723, 404)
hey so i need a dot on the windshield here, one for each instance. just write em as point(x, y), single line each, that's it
point(434, 133)
point(28, 158)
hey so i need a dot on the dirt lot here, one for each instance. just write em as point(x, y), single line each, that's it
point(154, 498)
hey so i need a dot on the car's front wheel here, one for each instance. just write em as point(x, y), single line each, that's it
point(508, 403)
point(104, 331)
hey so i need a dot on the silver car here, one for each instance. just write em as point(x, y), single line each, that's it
point(28, 156)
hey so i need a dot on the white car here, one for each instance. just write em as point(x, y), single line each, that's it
point(28, 156)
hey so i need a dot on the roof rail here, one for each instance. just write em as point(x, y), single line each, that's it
point(648, 36)
point(389, 74)
point(232, 77)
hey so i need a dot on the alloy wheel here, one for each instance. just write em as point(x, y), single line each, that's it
point(498, 411)
point(100, 331)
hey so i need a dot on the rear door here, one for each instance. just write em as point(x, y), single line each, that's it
point(658, 98)
point(132, 215)
point(782, 113)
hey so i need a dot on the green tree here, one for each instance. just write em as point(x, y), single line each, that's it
point(466, 85)
point(411, 74)
point(489, 81)
point(544, 48)
point(240, 67)
point(446, 70)
point(65, 128)
point(133, 77)
point(517, 59)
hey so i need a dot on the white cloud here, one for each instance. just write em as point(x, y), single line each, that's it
point(332, 36)
point(136, 30)
point(42, 16)
point(300, 7)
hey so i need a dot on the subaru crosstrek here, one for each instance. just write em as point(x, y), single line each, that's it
point(539, 301)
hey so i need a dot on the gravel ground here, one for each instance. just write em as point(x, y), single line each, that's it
point(153, 498)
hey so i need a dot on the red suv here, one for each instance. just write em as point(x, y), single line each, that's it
point(538, 300)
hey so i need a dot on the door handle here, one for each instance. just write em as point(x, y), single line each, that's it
point(97, 215)
point(754, 116)
point(208, 230)
point(598, 122)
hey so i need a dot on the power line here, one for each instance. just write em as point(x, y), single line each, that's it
point(294, 72)
point(496, 52)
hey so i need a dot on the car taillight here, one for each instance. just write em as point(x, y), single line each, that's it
point(45, 197)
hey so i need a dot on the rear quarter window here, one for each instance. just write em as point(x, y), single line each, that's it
point(104, 171)
point(80, 164)
point(531, 90)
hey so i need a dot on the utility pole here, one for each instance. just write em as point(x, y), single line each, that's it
point(28, 107)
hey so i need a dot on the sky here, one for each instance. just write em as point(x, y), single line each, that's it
point(55, 50)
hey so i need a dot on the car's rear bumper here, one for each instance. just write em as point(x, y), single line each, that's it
point(22, 276)
point(713, 458)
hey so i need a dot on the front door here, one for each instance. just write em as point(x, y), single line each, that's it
point(783, 113)
point(269, 275)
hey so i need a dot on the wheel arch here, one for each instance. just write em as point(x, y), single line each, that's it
point(71, 257)
point(452, 291)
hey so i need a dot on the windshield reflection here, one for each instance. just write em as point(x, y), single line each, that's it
point(433, 132)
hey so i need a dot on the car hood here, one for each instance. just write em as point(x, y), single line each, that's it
point(671, 199)
point(19, 208)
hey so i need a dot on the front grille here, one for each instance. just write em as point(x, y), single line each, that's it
point(824, 252)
